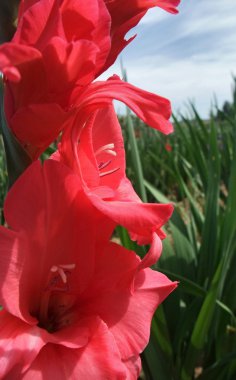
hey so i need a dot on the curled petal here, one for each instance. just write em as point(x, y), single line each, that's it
point(153, 254)
point(154, 110)
point(139, 218)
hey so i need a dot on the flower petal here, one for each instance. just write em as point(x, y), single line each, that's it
point(72, 62)
point(48, 120)
point(140, 219)
point(99, 359)
point(94, 20)
point(38, 22)
point(152, 109)
point(134, 367)
point(11, 267)
point(40, 205)
point(127, 313)
point(20, 344)
point(101, 142)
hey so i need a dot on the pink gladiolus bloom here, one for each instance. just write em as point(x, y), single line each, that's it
point(99, 160)
point(74, 306)
point(59, 48)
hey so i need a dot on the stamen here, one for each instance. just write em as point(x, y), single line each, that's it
point(108, 172)
point(104, 147)
point(111, 152)
point(54, 285)
point(62, 274)
point(108, 148)
point(61, 270)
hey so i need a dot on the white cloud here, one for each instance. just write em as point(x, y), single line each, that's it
point(206, 16)
point(197, 80)
point(194, 59)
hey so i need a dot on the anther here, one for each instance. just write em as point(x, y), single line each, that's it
point(62, 269)
point(108, 148)
point(108, 172)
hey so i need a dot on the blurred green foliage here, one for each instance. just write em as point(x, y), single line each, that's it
point(194, 332)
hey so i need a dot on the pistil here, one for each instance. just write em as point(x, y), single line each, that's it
point(57, 283)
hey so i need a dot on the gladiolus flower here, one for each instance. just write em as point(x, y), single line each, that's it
point(74, 306)
point(58, 45)
point(168, 147)
point(99, 160)
point(59, 48)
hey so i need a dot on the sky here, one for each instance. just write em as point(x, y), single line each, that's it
point(186, 57)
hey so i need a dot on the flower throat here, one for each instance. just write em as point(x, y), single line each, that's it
point(56, 303)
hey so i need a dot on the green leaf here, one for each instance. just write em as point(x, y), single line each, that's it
point(201, 327)
point(17, 158)
point(155, 363)
point(160, 332)
point(156, 193)
point(208, 255)
point(219, 370)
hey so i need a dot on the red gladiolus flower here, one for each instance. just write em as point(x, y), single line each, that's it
point(168, 147)
point(99, 161)
point(75, 307)
point(59, 48)
point(58, 45)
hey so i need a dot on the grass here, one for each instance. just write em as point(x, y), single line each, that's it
point(195, 168)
